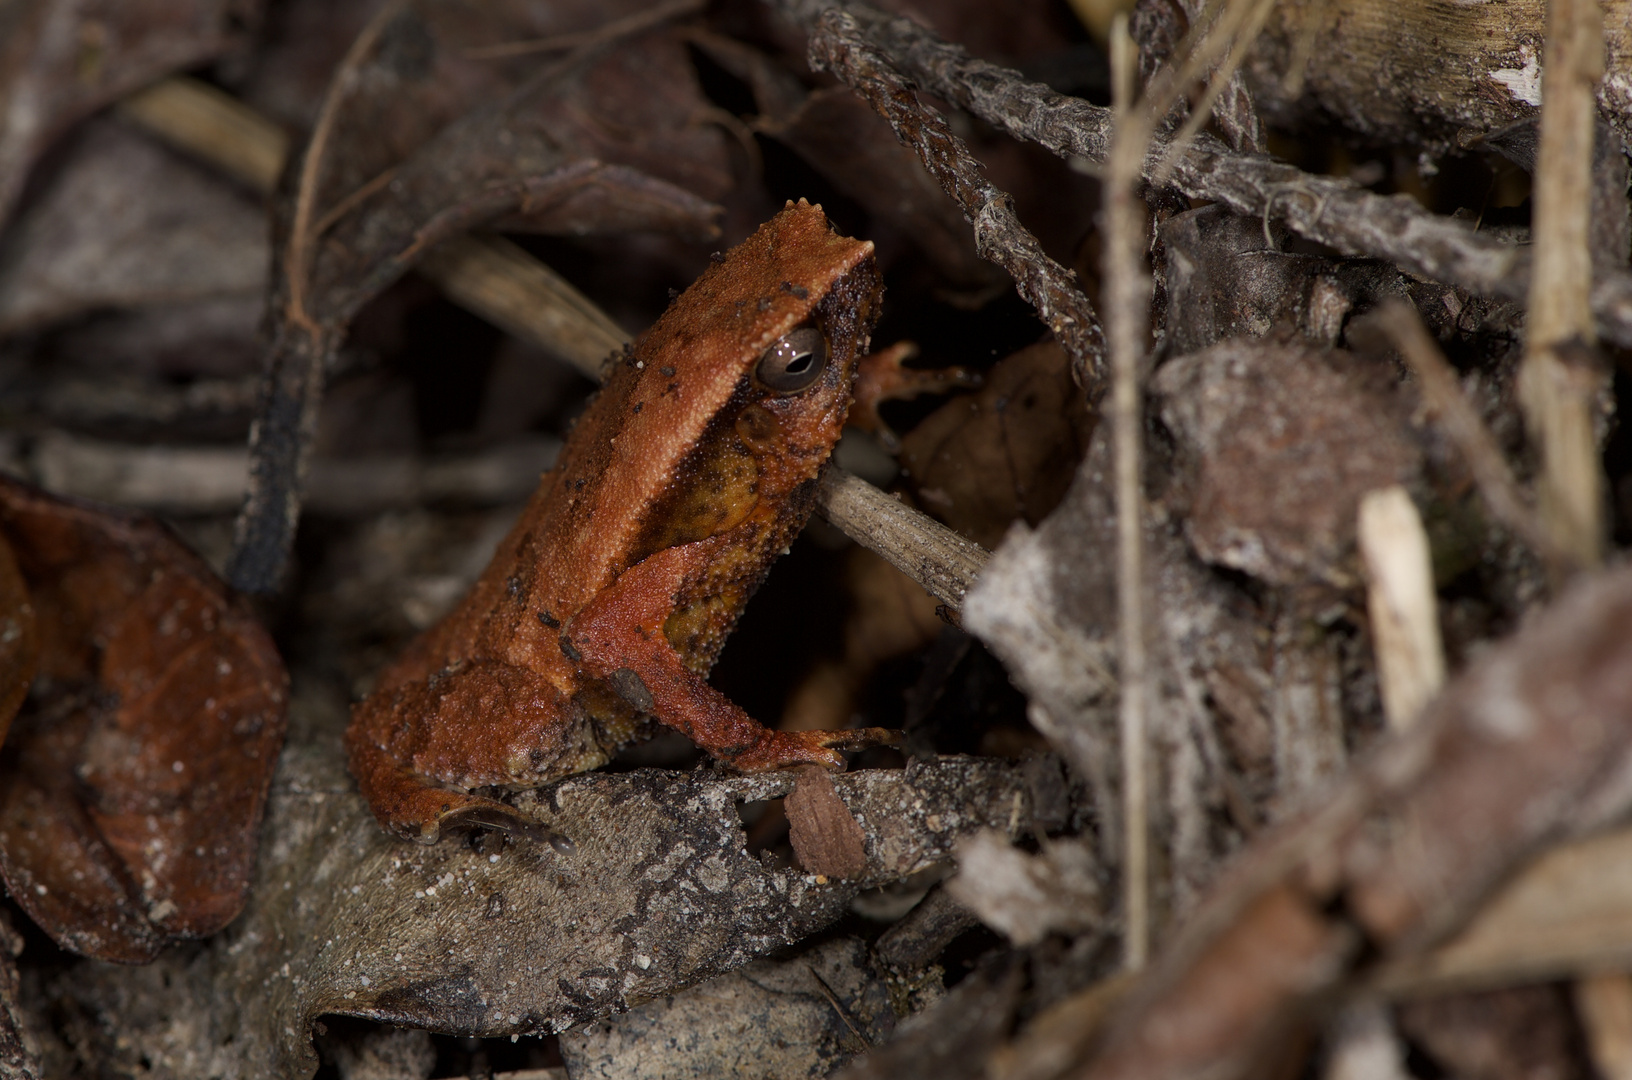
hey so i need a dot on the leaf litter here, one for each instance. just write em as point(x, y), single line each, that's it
point(1304, 856)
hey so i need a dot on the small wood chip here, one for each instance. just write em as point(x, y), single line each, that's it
point(826, 837)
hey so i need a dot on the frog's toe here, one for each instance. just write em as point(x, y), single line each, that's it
point(411, 807)
point(476, 812)
point(787, 749)
point(862, 738)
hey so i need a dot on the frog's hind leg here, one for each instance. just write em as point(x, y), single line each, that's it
point(620, 638)
point(416, 751)
point(409, 806)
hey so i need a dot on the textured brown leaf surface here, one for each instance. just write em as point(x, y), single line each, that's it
point(826, 838)
point(132, 786)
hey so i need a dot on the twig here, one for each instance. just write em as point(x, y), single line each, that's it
point(1128, 294)
point(285, 426)
point(655, 15)
point(302, 235)
point(1233, 33)
point(207, 123)
point(210, 479)
point(511, 289)
point(1401, 602)
point(1556, 394)
point(1498, 489)
point(1329, 210)
point(938, 559)
point(838, 45)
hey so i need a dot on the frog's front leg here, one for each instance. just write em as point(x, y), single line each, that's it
point(418, 749)
point(619, 638)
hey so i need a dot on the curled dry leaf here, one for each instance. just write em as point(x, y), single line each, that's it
point(1005, 453)
point(61, 60)
point(132, 785)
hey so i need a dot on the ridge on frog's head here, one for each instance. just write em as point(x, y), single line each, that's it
point(743, 303)
point(705, 351)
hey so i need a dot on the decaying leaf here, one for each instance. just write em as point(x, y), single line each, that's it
point(1245, 410)
point(126, 223)
point(1005, 453)
point(795, 1017)
point(132, 785)
point(826, 839)
point(659, 893)
point(61, 60)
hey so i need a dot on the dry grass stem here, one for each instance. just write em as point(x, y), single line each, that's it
point(1127, 306)
point(1400, 599)
point(1557, 394)
point(1604, 1004)
point(1500, 492)
point(213, 126)
point(501, 282)
point(1232, 34)
point(1565, 913)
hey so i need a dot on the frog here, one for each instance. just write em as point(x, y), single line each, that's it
point(604, 608)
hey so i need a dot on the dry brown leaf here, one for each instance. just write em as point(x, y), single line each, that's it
point(1005, 453)
point(132, 785)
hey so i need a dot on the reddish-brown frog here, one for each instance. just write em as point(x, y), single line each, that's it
point(609, 600)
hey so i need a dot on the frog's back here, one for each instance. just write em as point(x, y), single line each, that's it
point(584, 525)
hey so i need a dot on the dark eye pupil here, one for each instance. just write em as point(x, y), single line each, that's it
point(794, 362)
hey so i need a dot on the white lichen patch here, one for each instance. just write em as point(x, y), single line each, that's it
point(1524, 83)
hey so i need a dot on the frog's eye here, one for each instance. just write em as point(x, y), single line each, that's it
point(794, 362)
